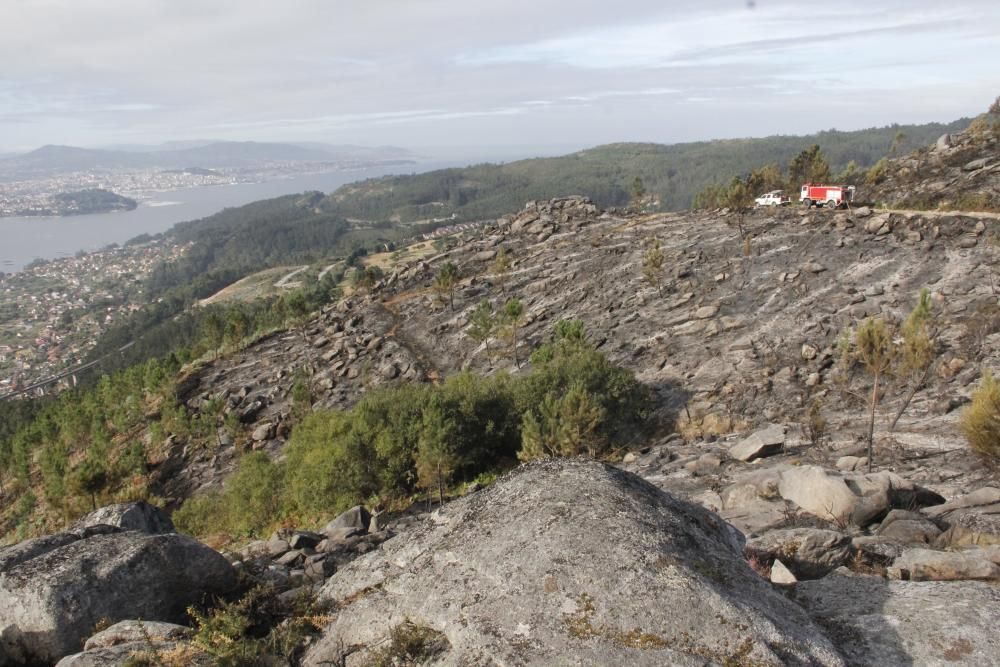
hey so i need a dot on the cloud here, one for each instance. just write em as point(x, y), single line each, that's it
point(719, 38)
point(450, 71)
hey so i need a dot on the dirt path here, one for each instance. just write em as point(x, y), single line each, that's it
point(940, 214)
point(283, 282)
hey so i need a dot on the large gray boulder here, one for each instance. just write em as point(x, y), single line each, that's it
point(931, 624)
point(49, 604)
point(355, 521)
point(851, 498)
point(139, 516)
point(114, 646)
point(570, 562)
point(765, 442)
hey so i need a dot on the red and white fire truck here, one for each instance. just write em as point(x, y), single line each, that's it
point(830, 196)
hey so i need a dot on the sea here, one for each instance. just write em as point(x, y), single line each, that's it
point(25, 239)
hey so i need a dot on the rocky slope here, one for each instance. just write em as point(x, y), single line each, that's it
point(740, 332)
point(737, 336)
point(960, 171)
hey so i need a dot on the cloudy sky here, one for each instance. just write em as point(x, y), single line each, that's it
point(449, 73)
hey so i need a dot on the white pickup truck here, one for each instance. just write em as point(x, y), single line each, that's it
point(774, 198)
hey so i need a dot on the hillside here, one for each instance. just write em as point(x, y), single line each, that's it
point(672, 174)
point(960, 171)
point(736, 349)
point(716, 359)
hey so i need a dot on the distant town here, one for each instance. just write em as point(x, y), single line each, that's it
point(52, 313)
point(54, 195)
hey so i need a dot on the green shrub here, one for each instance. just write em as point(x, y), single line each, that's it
point(565, 426)
point(400, 439)
point(878, 172)
point(981, 419)
point(252, 500)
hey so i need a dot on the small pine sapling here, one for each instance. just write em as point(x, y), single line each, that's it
point(876, 352)
point(482, 324)
point(445, 282)
point(652, 265)
point(918, 350)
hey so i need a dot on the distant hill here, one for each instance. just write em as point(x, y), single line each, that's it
point(674, 174)
point(52, 160)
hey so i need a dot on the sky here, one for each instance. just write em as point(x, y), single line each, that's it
point(530, 75)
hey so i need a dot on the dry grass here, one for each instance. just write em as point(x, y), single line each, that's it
point(981, 420)
point(698, 425)
point(250, 288)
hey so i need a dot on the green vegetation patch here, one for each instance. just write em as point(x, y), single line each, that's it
point(399, 440)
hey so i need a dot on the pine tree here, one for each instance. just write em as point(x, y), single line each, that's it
point(501, 269)
point(436, 457)
point(638, 192)
point(445, 282)
point(89, 479)
point(513, 313)
point(652, 265)
point(876, 352)
point(482, 324)
point(917, 351)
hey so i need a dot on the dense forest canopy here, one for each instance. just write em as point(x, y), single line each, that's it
point(672, 174)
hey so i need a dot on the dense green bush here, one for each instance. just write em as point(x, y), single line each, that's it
point(399, 440)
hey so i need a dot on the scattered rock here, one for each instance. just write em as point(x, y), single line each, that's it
point(766, 442)
point(139, 516)
point(781, 574)
point(302, 539)
point(263, 432)
point(976, 165)
point(124, 632)
point(354, 521)
point(908, 527)
point(706, 312)
point(809, 553)
point(929, 565)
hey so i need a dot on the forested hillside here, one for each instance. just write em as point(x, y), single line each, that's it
point(224, 248)
point(672, 174)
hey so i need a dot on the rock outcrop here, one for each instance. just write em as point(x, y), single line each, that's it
point(51, 601)
point(960, 171)
point(572, 562)
point(140, 516)
point(879, 622)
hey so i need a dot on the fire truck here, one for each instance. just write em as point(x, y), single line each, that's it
point(830, 196)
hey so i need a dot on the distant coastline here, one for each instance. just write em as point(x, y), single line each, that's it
point(81, 202)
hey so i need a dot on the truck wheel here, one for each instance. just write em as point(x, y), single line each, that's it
point(832, 204)
point(807, 203)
